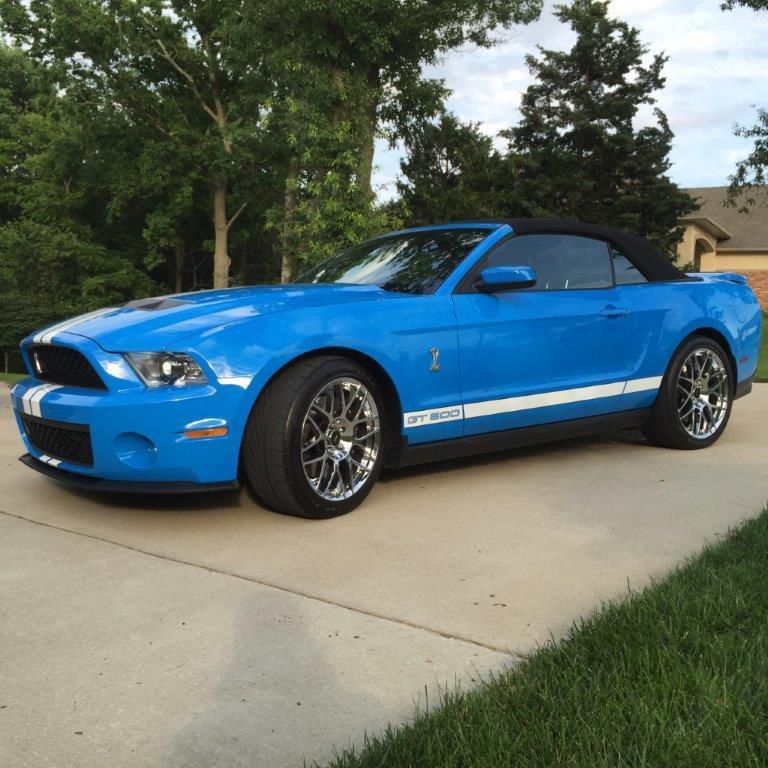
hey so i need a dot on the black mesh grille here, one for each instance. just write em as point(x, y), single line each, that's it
point(62, 365)
point(69, 442)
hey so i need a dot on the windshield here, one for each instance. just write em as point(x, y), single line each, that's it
point(413, 262)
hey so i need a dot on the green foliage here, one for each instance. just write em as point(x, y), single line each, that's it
point(762, 361)
point(144, 145)
point(59, 254)
point(577, 151)
point(581, 154)
point(48, 272)
point(747, 184)
point(452, 171)
point(183, 135)
point(349, 72)
point(755, 5)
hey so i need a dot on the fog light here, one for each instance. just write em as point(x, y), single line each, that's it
point(135, 450)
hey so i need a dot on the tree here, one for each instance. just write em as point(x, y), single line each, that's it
point(380, 46)
point(748, 182)
point(189, 70)
point(581, 154)
point(59, 254)
point(356, 68)
point(751, 173)
point(755, 5)
point(323, 208)
point(452, 171)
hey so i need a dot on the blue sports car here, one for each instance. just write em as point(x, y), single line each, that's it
point(425, 344)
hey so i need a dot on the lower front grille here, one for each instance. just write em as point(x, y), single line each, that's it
point(60, 440)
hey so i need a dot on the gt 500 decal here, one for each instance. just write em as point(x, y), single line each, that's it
point(433, 416)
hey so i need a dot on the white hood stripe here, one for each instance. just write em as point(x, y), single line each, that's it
point(45, 336)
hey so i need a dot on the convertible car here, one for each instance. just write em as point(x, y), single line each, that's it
point(430, 343)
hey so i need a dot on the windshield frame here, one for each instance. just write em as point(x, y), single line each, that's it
point(486, 228)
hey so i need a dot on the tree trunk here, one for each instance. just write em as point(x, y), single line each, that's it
point(367, 147)
point(289, 214)
point(221, 259)
point(6, 361)
point(178, 252)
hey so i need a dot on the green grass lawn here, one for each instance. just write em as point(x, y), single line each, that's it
point(762, 362)
point(12, 378)
point(674, 676)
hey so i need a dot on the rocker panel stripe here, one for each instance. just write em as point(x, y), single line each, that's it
point(440, 415)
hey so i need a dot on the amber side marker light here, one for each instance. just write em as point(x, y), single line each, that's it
point(194, 434)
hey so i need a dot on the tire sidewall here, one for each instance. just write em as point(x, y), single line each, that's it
point(314, 505)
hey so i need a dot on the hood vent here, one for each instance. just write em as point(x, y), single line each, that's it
point(154, 305)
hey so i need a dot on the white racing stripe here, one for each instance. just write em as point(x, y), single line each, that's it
point(529, 402)
point(642, 385)
point(30, 400)
point(28, 395)
point(526, 402)
point(37, 398)
point(48, 460)
point(45, 336)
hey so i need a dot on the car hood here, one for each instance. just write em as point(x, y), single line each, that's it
point(156, 324)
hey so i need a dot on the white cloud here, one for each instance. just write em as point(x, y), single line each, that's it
point(715, 74)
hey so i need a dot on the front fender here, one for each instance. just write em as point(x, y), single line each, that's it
point(397, 334)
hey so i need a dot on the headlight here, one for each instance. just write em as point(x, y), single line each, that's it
point(162, 369)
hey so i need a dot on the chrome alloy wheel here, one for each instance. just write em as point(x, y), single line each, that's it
point(702, 393)
point(340, 439)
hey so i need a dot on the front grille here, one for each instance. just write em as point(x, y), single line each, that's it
point(63, 365)
point(60, 440)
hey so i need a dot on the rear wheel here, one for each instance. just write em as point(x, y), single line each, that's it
point(314, 442)
point(695, 399)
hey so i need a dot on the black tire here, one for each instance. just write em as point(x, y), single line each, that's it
point(272, 444)
point(666, 427)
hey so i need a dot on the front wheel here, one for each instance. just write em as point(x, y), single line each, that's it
point(314, 442)
point(695, 399)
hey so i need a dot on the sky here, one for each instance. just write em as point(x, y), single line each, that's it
point(717, 71)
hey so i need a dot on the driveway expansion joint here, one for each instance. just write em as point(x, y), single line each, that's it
point(518, 655)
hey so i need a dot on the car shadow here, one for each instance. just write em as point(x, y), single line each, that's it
point(224, 501)
point(162, 502)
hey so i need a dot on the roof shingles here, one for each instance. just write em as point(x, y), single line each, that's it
point(748, 231)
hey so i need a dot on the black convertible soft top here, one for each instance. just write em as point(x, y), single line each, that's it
point(654, 265)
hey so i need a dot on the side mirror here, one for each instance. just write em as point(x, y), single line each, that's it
point(501, 279)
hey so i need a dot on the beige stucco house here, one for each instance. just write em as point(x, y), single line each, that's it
point(723, 239)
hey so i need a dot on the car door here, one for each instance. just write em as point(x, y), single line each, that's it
point(557, 351)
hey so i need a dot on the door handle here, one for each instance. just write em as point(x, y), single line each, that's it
point(611, 311)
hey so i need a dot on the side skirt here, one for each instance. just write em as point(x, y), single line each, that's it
point(517, 438)
point(744, 387)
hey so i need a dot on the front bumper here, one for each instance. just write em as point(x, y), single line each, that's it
point(90, 483)
point(137, 433)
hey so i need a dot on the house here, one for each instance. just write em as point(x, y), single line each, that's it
point(723, 239)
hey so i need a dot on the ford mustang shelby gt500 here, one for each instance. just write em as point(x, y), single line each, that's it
point(428, 343)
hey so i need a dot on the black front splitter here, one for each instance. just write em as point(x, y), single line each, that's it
point(123, 486)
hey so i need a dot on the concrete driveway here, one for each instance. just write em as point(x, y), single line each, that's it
point(200, 632)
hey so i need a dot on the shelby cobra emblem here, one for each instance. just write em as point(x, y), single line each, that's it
point(539, 329)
